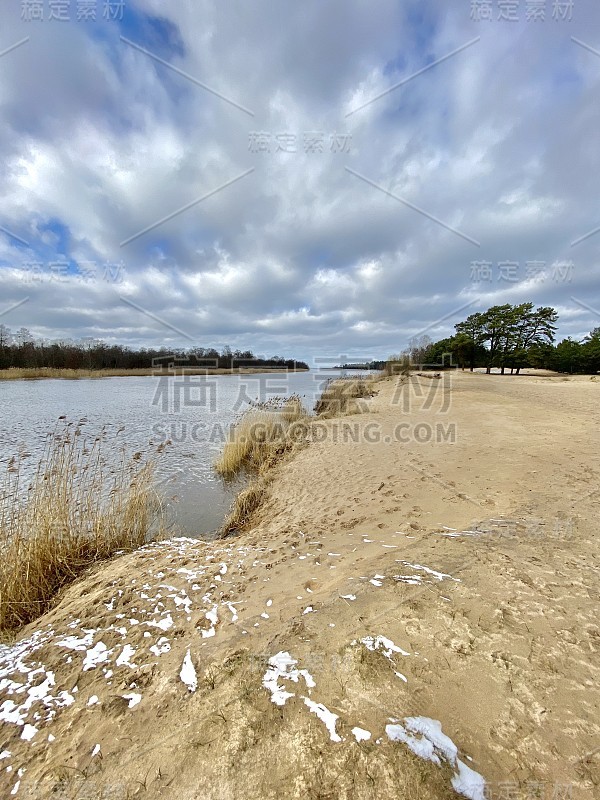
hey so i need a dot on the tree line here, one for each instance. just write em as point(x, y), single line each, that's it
point(22, 350)
point(511, 337)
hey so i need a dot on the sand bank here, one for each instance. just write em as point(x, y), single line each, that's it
point(412, 612)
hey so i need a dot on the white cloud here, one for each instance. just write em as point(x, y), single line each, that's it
point(101, 142)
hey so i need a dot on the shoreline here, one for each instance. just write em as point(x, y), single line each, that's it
point(382, 588)
point(50, 373)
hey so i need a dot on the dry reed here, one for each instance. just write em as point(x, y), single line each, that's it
point(261, 436)
point(79, 508)
point(339, 396)
point(245, 504)
point(257, 441)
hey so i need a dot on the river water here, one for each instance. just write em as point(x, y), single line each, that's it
point(193, 412)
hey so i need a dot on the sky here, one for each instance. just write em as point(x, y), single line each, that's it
point(313, 180)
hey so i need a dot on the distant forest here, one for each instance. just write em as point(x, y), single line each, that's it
point(363, 365)
point(22, 350)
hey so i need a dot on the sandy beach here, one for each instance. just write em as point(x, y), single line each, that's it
point(431, 559)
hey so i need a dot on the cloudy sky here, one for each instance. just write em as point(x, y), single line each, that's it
point(311, 179)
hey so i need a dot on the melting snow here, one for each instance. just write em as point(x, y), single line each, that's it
point(375, 642)
point(435, 746)
point(164, 624)
point(182, 601)
point(437, 575)
point(282, 665)
point(361, 735)
point(124, 659)
point(97, 655)
point(412, 580)
point(29, 731)
point(73, 643)
point(188, 673)
point(213, 617)
point(326, 716)
point(133, 697)
point(162, 646)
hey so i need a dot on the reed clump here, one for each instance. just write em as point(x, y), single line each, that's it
point(245, 504)
point(264, 433)
point(79, 507)
point(257, 441)
point(340, 395)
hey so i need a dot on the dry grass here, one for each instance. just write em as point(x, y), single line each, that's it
point(78, 509)
point(34, 373)
point(339, 396)
point(261, 436)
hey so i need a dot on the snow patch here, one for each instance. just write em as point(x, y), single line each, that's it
point(188, 673)
point(29, 731)
point(282, 665)
point(375, 642)
point(134, 699)
point(162, 646)
point(124, 660)
point(97, 655)
point(361, 735)
point(327, 717)
point(433, 745)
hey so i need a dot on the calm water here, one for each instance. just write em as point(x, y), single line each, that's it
point(193, 412)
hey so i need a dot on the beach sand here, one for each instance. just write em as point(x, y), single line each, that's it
point(446, 570)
